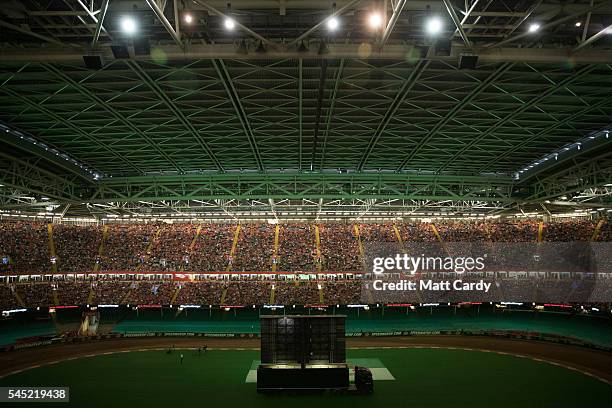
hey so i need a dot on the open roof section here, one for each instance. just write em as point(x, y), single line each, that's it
point(205, 116)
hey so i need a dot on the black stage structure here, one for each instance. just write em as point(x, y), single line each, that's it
point(306, 353)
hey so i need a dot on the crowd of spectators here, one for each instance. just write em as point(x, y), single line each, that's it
point(255, 291)
point(24, 246)
point(76, 247)
point(125, 246)
point(248, 293)
point(35, 294)
point(72, 293)
point(151, 293)
point(170, 248)
point(201, 293)
point(296, 293)
point(339, 248)
point(211, 251)
point(254, 249)
point(344, 292)
point(110, 292)
point(296, 248)
point(7, 298)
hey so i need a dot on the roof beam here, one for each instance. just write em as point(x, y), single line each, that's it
point(99, 26)
point(552, 24)
point(28, 144)
point(226, 80)
point(593, 38)
point(330, 111)
point(58, 119)
point(581, 175)
point(458, 23)
point(525, 142)
point(237, 23)
point(320, 97)
point(589, 147)
point(160, 15)
point(515, 113)
point(107, 107)
point(324, 21)
point(300, 108)
point(397, 102)
point(335, 51)
point(140, 72)
point(392, 20)
point(28, 177)
point(98, 21)
point(312, 186)
point(32, 34)
point(450, 116)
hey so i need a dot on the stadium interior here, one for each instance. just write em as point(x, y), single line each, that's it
point(173, 170)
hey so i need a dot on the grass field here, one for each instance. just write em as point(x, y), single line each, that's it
point(423, 378)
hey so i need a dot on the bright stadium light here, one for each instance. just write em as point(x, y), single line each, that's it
point(534, 27)
point(229, 23)
point(188, 18)
point(433, 25)
point(333, 23)
point(128, 25)
point(375, 20)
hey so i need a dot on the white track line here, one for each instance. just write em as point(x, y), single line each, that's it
point(589, 374)
point(498, 352)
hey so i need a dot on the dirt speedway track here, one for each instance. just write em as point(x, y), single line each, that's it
point(591, 362)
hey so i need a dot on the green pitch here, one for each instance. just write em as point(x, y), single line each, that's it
point(423, 378)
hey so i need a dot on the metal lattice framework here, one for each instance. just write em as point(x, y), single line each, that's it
point(282, 111)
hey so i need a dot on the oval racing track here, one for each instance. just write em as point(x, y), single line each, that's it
point(597, 364)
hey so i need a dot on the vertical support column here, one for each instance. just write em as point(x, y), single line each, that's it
point(272, 294)
point(275, 253)
point(195, 239)
point(18, 298)
point(439, 238)
point(318, 247)
point(436, 233)
point(321, 299)
point(155, 237)
point(398, 235)
point(358, 236)
point(175, 295)
point(223, 296)
point(150, 247)
point(126, 298)
point(55, 297)
point(192, 245)
point(101, 248)
point(597, 230)
point(90, 297)
point(52, 247)
point(540, 231)
point(233, 250)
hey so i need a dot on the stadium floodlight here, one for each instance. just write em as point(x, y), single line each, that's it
point(578, 23)
point(333, 23)
point(128, 25)
point(375, 20)
point(229, 23)
point(188, 18)
point(534, 27)
point(433, 25)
